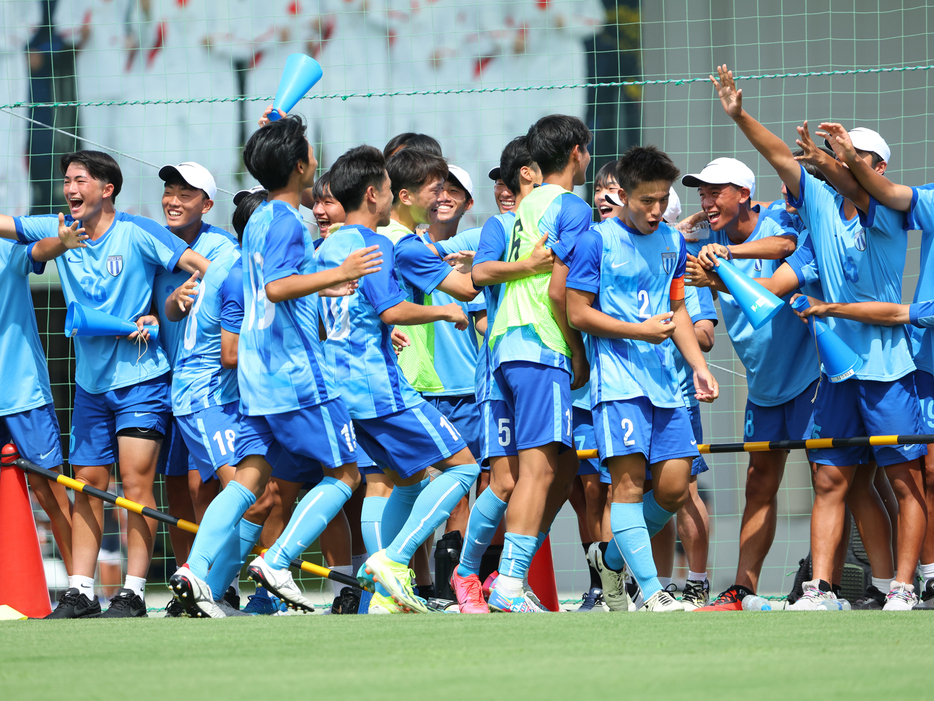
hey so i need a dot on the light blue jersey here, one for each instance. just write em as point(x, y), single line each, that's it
point(859, 260)
point(359, 346)
point(25, 373)
point(633, 277)
point(114, 274)
point(199, 380)
point(780, 358)
point(580, 398)
point(467, 240)
point(921, 216)
point(210, 243)
point(280, 361)
point(699, 304)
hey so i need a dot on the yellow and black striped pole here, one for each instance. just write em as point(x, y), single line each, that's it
point(156, 515)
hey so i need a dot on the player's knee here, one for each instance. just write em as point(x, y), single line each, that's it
point(829, 482)
point(761, 486)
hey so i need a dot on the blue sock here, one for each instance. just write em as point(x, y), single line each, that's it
point(309, 520)
point(431, 509)
point(371, 519)
point(219, 524)
point(632, 538)
point(613, 558)
point(397, 511)
point(484, 519)
point(230, 559)
point(655, 516)
point(518, 551)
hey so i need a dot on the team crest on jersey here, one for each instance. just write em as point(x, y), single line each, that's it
point(668, 261)
point(114, 265)
point(757, 266)
point(861, 240)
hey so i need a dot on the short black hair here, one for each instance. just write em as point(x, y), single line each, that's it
point(813, 169)
point(273, 151)
point(514, 157)
point(353, 173)
point(606, 173)
point(411, 168)
point(245, 209)
point(641, 164)
point(410, 139)
point(99, 165)
point(552, 138)
point(322, 186)
point(175, 178)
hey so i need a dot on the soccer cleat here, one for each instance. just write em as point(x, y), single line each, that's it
point(661, 602)
point(381, 605)
point(126, 604)
point(489, 583)
point(696, 594)
point(614, 583)
point(468, 594)
point(509, 603)
point(927, 597)
point(901, 597)
point(349, 601)
point(396, 578)
point(232, 598)
point(812, 597)
point(73, 604)
point(229, 609)
point(261, 604)
point(280, 583)
point(730, 600)
point(592, 601)
point(873, 600)
point(193, 594)
point(174, 609)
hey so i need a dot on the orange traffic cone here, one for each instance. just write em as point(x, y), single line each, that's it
point(542, 577)
point(22, 577)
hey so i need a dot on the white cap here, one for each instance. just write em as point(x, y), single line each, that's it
point(237, 198)
point(674, 207)
point(461, 176)
point(868, 140)
point(723, 171)
point(192, 173)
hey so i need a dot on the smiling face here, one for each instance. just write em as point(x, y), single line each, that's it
point(646, 205)
point(184, 205)
point(424, 202)
point(505, 198)
point(722, 204)
point(453, 202)
point(601, 190)
point(327, 211)
point(84, 193)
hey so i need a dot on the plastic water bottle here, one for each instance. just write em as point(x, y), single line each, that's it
point(834, 605)
point(756, 603)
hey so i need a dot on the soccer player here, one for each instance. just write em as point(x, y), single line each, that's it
point(401, 431)
point(857, 247)
point(122, 401)
point(329, 214)
point(288, 396)
point(626, 292)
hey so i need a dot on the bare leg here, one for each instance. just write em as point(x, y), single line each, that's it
point(694, 529)
point(760, 515)
point(53, 498)
point(872, 521)
point(831, 483)
point(663, 549)
point(908, 484)
point(180, 506)
point(202, 493)
point(537, 468)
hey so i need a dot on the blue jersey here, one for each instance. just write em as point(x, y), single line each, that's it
point(280, 361)
point(780, 358)
point(921, 314)
point(199, 380)
point(114, 274)
point(359, 346)
point(210, 243)
point(699, 304)
point(632, 276)
point(418, 270)
point(467, 240)
point(491, 246)
point(25, 373)
point(859, 260)
point(921, 216)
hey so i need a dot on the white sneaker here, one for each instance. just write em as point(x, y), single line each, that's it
point(530, 595)
point(662, 602)
point(614, 583)
point(194, 595)
point(279, 583)
point(901, 597)
point(812, 598)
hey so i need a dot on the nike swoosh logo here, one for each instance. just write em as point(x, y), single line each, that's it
point(619, 265)
point(478, 542)
point(693, 442)
point(45, 455)
point(137, 414)
point(638, 549)
point(73, 260)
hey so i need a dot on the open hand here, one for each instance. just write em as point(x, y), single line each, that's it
point(363, 261)
point(71, 236)
point(541, 260)
point(730, 97)
point(839, 140)
point(184, 296)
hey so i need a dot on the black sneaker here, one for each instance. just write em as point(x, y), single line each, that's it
point(72, 604)
point(174, 609)
point(232, 598)
point(350, 600)
point(874, 600)
point(927, 598)
point(126, 604)
point(592, 601)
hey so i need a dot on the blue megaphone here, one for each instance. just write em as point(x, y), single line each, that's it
point(86, 321)
point(757, 303)
point(839, 361)
point(300, 74)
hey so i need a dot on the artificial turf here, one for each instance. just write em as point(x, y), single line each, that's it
point(780, 655)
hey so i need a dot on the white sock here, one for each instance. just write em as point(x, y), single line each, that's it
point(927, 572)
point(697, 576)
point(510, 585)
point(356, 562)
point(664, 581)
point(882, 584)
point(136, 584)
point(84, 585)
point(236, 584)
point(337, 586)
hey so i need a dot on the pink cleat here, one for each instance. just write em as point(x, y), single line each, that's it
point(489, 583)
point(468, 594)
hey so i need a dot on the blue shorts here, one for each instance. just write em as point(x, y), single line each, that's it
point(865, 407)
point(365, 463)
point(791, 421)
point(98, 417)
point(409, 440)
point(464, 413)
point(36, 434)
point(298, 469)
point(539, 397)
point(322, 432)
point(174, 459)
point(636, 426)
point(699, 465)
point(924, 384)
point(584, 439)
point(497, 439)
point(210, 435)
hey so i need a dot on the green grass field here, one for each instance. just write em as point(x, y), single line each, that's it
point(779, 655)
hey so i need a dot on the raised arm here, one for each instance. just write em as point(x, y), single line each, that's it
point(837, 174)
